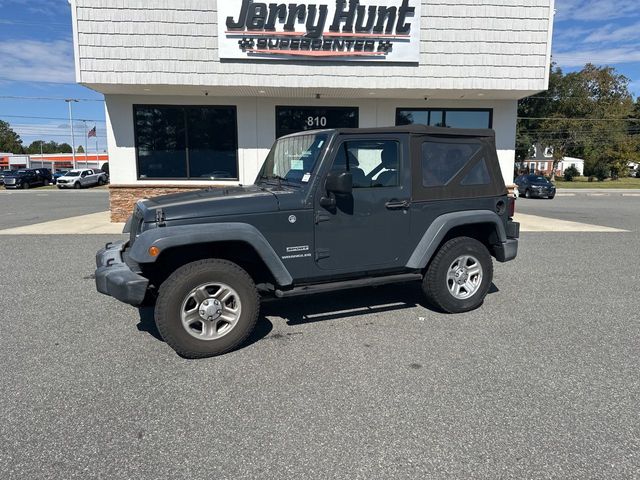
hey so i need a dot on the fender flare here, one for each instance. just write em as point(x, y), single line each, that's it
point(178, 236)
point(439, 228)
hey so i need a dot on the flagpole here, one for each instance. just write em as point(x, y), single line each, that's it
point(86, 147)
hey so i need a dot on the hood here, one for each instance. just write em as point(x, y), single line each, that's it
point(211, 202)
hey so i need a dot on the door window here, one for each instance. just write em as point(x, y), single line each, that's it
point(371, 163)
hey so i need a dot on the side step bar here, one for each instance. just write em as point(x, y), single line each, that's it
point(347, 284)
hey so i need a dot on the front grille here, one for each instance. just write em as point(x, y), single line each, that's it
point(9, 181)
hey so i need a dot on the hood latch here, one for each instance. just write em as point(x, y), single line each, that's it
point(160, 217)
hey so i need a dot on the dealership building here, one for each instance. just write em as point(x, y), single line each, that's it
point(197, 91)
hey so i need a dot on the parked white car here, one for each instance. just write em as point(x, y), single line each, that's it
point(82, 178)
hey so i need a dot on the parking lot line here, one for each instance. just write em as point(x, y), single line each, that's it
point(533, 223)
point(92, 224)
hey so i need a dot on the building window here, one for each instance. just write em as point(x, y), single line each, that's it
point(297, 119)
point(446, 117)
point(186, 142)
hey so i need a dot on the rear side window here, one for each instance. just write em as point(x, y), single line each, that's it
point(443, 161)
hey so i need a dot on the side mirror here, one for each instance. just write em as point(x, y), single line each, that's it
point(340, 183)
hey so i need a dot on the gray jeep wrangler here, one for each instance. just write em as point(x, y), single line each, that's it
point(330, 210)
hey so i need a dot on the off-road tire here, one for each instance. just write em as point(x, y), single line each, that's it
point(77, 186)
point(434, 283)
point(173, 292)
point(100, 182)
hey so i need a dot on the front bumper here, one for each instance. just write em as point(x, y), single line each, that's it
point(116, 279)
point(543, 193)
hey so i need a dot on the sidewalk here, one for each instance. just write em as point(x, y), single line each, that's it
point(625, 192)
point(99, 224)
point(92, 224)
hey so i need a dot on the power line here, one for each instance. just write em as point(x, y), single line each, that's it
point(52, 118)
point(16, 97)
point(580, 118)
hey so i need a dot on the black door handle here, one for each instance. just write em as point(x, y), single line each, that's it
point(397, 204)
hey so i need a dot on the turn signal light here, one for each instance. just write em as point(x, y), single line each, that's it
point(154, 251)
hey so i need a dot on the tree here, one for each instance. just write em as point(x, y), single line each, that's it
point(10, 141)
point(584, 114)
point(65, 148)
point(80, 149)
point(40, 146)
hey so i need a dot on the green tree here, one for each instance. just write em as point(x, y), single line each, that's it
point(80, 149)
point(38, 146)
point(10, 141)
point(584, 114)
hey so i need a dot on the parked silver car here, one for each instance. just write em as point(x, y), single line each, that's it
point(80, 178)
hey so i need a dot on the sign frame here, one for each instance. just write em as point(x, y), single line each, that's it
point(380, 31)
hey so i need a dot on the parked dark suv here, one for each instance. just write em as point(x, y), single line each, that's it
point(28, 177)
point(330, 210)
point(535, 186)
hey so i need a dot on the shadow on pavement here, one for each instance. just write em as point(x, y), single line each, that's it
point(147, 324)
point(325, 306)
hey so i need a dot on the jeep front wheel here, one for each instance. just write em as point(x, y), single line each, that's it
point(207, 308)
point(460, 275)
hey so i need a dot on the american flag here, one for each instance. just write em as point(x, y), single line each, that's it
point(92, 133)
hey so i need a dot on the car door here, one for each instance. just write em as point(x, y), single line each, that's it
point(84, 178)
point(367, 229)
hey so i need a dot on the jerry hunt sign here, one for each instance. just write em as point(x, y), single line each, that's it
point(353, 30)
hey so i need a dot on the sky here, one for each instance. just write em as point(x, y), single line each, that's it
point(36, 61)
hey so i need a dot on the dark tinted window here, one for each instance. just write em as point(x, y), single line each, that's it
point(478, 175)
point(438, 117)
point(297, 119)
point(213, 148)
point(371, 163)
point(185, 142)
point(442, 161)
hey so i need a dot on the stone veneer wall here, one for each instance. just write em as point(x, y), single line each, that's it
point(122, 198)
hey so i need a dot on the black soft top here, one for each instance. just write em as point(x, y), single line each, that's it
point(412, 129)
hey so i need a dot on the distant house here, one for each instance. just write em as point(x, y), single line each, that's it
point(540, 161)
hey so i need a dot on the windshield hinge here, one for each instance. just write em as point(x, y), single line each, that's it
point(160, 217)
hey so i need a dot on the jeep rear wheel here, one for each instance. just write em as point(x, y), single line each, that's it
point(207, 308)
point(460, 275)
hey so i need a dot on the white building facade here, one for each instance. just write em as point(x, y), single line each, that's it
point(197, 91)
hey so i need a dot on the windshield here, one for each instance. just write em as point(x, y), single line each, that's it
point(292, 159)
point(72, 174)
point(6, 172)
point(538, 179)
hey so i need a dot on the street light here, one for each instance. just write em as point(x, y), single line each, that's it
point(73, 140)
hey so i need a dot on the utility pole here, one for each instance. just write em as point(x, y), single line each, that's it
point(73, 140)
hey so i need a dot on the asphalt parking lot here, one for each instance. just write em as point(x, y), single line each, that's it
point(541, 382)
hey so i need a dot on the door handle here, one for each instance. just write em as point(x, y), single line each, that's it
point(397, 204)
